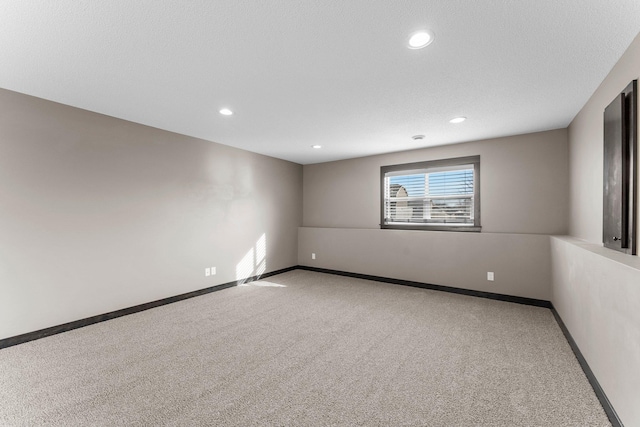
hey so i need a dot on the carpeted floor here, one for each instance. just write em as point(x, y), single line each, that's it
point(305, 349)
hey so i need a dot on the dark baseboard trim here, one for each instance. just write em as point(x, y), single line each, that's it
point(600, 394)
point(30, 336)
point(602, 397)
point(481, 294)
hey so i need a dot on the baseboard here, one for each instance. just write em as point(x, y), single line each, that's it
point(481, 294)
point(602, 397)
point(53, 330)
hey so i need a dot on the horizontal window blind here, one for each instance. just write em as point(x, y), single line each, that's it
point(439, 195)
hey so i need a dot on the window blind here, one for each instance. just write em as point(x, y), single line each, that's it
point(442, 195)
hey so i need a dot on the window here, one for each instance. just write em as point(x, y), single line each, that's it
point(435, 195)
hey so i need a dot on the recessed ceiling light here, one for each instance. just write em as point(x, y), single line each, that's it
point(317, 147)
point(417, 137)
point(458, 120)
point(420, 39)
point(226, 112)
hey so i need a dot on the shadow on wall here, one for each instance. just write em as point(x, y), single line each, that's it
point(254, 263)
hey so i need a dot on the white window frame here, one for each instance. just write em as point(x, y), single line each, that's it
point(434, 166)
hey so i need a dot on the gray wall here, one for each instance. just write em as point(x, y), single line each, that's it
point(586, 149)
point(524, 184)
point(521, 262)
point(597, 290)
point(524, 191)
point(98, 214)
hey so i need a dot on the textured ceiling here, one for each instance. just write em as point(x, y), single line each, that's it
point(330, 72)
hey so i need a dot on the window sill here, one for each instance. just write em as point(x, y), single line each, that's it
point(461, 228)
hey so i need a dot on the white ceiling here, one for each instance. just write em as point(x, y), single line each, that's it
point(330, 72)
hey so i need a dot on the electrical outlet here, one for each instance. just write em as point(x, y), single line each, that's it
point(213, 271)
point(490, 276)
point(313, 256)
point(207, 271)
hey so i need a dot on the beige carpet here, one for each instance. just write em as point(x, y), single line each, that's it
point(305, 349)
